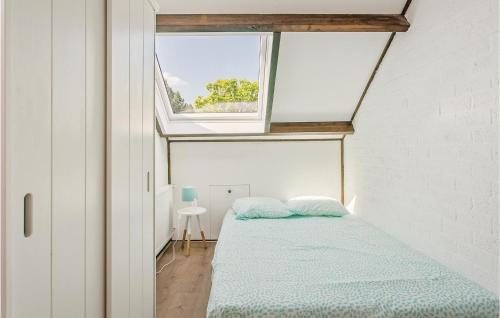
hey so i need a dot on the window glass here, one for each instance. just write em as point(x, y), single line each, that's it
point(210, 73)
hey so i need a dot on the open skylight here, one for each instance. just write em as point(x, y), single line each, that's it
point(214, 73)
point(213, 77)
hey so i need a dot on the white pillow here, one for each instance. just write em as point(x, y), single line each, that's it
point(260, 207)
point(316, 206)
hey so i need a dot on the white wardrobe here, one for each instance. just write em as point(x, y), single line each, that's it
point(79, 158)
point(55, 158)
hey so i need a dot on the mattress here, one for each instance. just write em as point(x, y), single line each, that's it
point(332, 267)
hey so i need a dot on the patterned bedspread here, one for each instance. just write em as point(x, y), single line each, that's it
point(332, 267)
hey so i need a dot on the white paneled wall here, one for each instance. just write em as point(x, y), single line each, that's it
point(277, 169)
point(423, 164)
point(55, 136)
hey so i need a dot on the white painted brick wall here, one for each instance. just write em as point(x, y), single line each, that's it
point(423, 163)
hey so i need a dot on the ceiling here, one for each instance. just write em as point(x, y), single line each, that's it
point(321, 76)
point(281, 6)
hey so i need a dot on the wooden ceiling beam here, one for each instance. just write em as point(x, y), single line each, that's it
point(281, 23)
point(333, 127)
point(379, 62)
point(372, 75)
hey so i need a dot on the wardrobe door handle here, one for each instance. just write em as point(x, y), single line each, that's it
point(28, 215)
point(148, 181)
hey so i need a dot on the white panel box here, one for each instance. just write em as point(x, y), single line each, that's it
point(221, 199)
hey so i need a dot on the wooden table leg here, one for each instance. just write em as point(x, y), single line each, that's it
point(188, 247)
point(201, 232)
point(185, 231)
point(203, 238)
point(183, 238)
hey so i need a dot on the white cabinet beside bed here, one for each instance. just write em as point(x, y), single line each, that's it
point(163, 217)
point(221, 198)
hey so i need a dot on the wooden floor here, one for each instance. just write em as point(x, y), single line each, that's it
point(183, 287)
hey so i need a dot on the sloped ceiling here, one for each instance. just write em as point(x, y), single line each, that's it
point(320, 76)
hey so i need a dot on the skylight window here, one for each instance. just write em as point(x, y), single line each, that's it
point(214, 76)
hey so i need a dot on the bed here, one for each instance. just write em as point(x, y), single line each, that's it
point(332, 267)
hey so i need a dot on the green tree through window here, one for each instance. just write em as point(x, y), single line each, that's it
point(224, 95)
point(228, 91)
point(176, 101)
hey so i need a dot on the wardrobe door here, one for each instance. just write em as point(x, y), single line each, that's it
point(148, 128)
point(95, 147)
point(68, 159)
point(117, 160)
point(130, 153)
point(54, 158)
point(28, 157)
point(136, 214)
point(77, 158)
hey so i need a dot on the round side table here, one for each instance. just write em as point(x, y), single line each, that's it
point(189, 212)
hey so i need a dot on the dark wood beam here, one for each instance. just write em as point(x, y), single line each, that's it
point(372, 76)
point(281, 23)
point(335, 127)
point(379, 62)
point(406, 7)
point(272, 79)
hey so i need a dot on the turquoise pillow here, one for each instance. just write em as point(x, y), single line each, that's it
point(316, 206)
point(260, 207)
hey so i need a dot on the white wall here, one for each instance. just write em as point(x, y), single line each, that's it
point(161, 161)
point(163, 194)
point(277, 169)
point(423, 164)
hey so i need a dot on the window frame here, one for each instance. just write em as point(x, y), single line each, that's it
point(266, 40)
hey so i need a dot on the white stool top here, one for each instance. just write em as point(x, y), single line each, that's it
point(192, 210)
